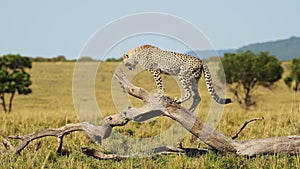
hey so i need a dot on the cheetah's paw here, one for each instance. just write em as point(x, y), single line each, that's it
point(176, 100)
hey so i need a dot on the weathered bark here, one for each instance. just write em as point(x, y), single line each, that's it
point(100, 155)
point(8, 146)
point(165, 106)
point(211, 137)
point(160, 150)
point(59, 133)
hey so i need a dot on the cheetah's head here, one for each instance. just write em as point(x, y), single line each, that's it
point(129, 61)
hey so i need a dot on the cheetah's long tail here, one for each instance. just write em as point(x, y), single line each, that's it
point(211, 89)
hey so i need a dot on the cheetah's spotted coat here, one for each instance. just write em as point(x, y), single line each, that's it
point(186, 67)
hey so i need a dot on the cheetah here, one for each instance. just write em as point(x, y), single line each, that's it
point(188, 69)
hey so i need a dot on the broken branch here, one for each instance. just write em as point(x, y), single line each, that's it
point(244, 125)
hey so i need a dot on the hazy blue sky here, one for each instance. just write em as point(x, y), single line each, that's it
point(62, 27)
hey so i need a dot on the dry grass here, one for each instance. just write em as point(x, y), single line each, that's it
point(51, 105)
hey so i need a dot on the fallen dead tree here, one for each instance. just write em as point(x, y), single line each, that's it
point(164, 106)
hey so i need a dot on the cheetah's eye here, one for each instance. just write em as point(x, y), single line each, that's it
point(125, 56)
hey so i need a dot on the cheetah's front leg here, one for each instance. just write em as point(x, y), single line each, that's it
point(158, 80)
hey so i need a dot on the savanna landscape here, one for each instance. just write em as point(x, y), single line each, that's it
point(51, 106)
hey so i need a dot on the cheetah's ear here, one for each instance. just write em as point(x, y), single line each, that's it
point(125, 56)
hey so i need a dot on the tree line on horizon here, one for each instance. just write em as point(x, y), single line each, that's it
point(62, 58)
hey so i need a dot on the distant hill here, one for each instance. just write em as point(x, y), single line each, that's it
point(285, 49)
point(209, 53)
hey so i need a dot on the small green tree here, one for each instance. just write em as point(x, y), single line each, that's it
point(294, 77)
point(13, 77)
point(3, 85)
point(245, 70)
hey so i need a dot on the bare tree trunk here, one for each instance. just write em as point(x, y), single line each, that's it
point(165, 106)
point(10, 101)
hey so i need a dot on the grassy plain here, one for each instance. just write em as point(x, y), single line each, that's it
point(51, 105)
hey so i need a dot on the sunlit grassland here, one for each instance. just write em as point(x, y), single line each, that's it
point(51, 105)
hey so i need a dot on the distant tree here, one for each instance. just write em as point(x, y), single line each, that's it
point(13, 77)
point(245, 70)
point(59, 58)
point(294, 77)
point(86, 59)
point(113, 59)
point(41, 59)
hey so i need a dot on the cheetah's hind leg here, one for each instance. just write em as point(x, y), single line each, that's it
point(196, 97)
point(185, 79)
